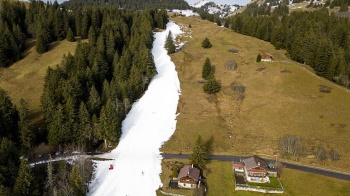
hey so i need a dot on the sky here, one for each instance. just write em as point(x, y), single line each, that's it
point(228, 2)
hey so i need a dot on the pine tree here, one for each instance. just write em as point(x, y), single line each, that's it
point(94, 102)
point(212, 86)
point(258, 58)
point(207, 70)
point(42, 41)
point(169, 44)
point(199, 155)
point(92, 36)
point(85, 127)
point(206, 43)
point(70, 36)
point(77, 182)
point(25, 126)
point(25, 184)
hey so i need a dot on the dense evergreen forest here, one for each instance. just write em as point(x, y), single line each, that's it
point(129, 4)
point(316, 38)
point(87, 97)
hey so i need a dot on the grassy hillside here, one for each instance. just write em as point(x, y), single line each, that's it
point(281, 98)
point(25, 78)
point(220, 179)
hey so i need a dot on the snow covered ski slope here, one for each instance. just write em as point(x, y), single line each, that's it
point(151, 122)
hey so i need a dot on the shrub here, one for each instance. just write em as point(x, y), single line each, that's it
point(238, 88)
point(212, 86)
point(233, 50)
point(320, 153)
point(206, 43)
point(290, 144)
point(335, 156)
point(231, 65)
point(258, 58)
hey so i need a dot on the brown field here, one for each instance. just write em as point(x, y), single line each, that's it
point(275, 103)
point(25, 78)
point(220, 181)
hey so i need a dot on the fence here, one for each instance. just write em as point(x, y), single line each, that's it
point(261, 189)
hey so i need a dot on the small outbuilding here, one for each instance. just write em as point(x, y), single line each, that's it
point(266, 57)
point(238, 167)
point(188, 177)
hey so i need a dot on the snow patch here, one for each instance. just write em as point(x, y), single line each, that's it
point(200, 3)
point(186, 13)
point(151, 122)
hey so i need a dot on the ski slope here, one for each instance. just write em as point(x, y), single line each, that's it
point(151, 122)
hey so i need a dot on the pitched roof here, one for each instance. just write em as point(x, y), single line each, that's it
point(238, 165)
point(190, 171)
point(254, 162)
point(266, 56)
point(257, 170)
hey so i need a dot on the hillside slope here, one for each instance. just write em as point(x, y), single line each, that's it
point(280, 98)
point(25, 78)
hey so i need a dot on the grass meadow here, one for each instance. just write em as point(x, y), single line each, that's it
point(25, 78)
point(280, 98)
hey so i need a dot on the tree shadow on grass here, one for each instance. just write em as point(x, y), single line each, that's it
point(209, 145)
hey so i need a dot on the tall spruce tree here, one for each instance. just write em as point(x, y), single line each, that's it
point(207, 70)
point(169, 43)
point(25, 183)
point(70, 36)
point(77, 182)
point(199, 155)
point(25, 126)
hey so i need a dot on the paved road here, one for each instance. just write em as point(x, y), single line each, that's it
point(304, 168)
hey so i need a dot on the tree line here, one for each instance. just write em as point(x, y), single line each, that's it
point(316, 38)
point(129, 4)
point(15, 140)
point(47, 23)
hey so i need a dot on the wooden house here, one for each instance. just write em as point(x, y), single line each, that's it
point(188, 177)
point(266, 57)
point(255, 169)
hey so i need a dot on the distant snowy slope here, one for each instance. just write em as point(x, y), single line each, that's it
point(199, 3)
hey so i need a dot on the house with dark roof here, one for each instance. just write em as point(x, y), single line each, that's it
point(188, 177)
point(256, 169)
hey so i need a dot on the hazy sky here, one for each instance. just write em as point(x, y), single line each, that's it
point(228, 2)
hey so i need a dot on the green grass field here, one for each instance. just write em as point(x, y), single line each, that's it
point(282, 99)
point(25, 78)
point(220, 181)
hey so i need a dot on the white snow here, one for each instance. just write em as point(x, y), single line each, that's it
point(200, 3)
point(187, 13)
point(151, 122)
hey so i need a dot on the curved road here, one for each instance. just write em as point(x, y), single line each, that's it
point(304, 168)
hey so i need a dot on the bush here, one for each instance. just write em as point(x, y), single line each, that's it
point(320, 153)
point(233, 50)
point(258, 58)
point(212, 86)
point(335, 156)
point(290, 144)
point(206, 43)
point(231, 65)
point(238, 88)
